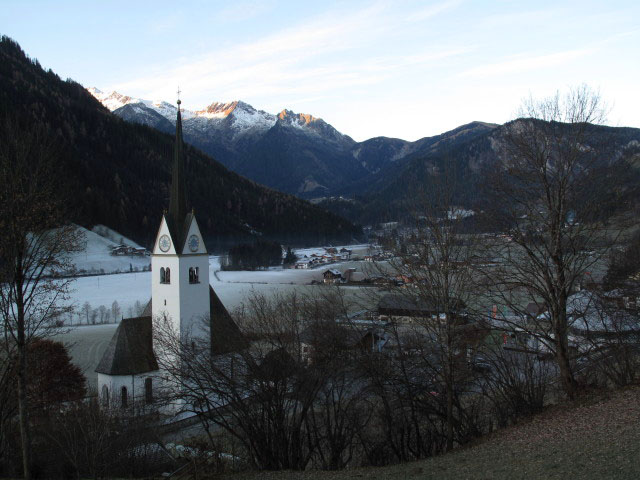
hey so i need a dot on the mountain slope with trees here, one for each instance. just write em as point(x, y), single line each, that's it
point(380, 178)
point(293, 152)
point(119, 172)
point(471, 161)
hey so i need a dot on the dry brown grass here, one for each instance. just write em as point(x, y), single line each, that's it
point(596, 437)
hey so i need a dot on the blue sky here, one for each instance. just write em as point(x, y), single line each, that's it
point(404, 69)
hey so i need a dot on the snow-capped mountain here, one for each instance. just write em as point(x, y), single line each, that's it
point(241, 115)
point(115, 100)
point(292, 152)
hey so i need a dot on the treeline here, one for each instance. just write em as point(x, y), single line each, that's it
point(252, 256)
point(120, 173)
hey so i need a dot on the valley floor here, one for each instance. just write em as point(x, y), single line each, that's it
point(597, 437)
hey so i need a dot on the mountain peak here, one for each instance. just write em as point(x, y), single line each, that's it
point(218, 109)
point(300, 119)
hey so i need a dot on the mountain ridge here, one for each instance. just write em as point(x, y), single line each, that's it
point(119, 172)
point(296, 153)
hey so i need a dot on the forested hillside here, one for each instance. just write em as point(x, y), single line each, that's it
point(466, 164)
point(119, 172)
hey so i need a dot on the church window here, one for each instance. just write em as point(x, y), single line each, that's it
point(123, 394)
point(162, 275)
point(194, 275)
point(167, 275)
point(105, 396)
point(148, 390)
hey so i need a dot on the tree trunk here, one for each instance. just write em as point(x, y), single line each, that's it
point(23, 413)
point(449, 385)
point(566, 373)
point(562, 347)
point(25, 434)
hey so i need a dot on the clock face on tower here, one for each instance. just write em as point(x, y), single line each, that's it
point(164, 243)
point(194, 243)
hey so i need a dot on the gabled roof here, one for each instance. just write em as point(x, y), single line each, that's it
point(130, 350)
point(226, 337)
point(397, 304)
point(333, 272)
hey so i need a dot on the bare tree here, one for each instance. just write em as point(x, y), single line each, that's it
point(290, 398)
point(35, 242)
point(546, 197)
point(261, 396)
point(86, 311)
point(103, 314)
point(115, 311)
point(101, 443)
point(606, 327)
point(436, 266)
point(8, 404)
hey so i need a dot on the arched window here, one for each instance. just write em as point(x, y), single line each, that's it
point(148, 390)
point(193, 275)
point(167, 275)
point(123, 393)
point(105, 396)
point(162, 275)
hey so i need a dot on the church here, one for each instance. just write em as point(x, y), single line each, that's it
point(128, 373)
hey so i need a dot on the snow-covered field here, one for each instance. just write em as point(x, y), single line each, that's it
point(131, 290)
point(96, 256)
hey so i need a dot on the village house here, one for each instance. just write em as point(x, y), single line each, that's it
point(332, 276)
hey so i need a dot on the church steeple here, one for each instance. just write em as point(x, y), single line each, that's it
point(178, 217)
point(178, 200)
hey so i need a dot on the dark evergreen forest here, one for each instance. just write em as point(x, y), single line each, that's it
point(119, 173)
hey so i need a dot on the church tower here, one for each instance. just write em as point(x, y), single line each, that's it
point(180, 262)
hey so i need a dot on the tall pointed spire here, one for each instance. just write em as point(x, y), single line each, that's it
point(178, 200)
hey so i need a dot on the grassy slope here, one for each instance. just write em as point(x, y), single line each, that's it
point(595, 438)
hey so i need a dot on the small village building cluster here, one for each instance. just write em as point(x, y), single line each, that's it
point(128, 250)
point(332, 255)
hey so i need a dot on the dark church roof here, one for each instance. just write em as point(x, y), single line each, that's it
point(131, 349)
point(226, 337)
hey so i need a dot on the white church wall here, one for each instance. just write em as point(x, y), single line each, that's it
point(166, 296)
point(135, 385)
point(194, 297)
point(183, 302)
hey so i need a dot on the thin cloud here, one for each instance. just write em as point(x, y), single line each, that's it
point(243, 11)
point(521, 64)
point(432, 11)
point(299, 60)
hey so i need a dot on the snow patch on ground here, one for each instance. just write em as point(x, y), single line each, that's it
point(114, 236)
point(95, 256)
